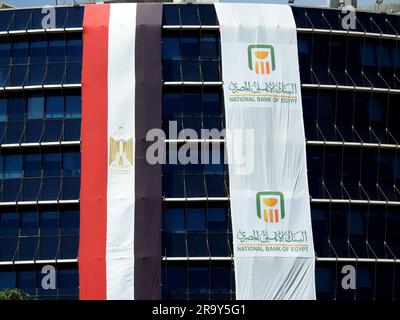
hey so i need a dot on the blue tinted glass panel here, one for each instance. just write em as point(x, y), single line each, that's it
point(5, 19)
point(73, 106)
point(69, 222)
point(207, 15)
point(189, 14)
point(70, 188)
point(75, 16)
point(20, 52)
point(73, 72)
point(49, 223)
point(8, 279)
point(5, 51)
point(71, 163)
point(54, 106)
point(72, 130)
point(27, 281)
point(13, 166)
point(69, 247)
point(11, 189)
point(8, 248)
point(29, 223)
point(38, 51)
point(170, 47)
point(51, 188)
point(30, 189)
point(35, 107)
point(55, 73)
point(56, 50)
point(196, 219)
point(171, 15)
point(52, 164)
point(174, 219)
point(36, 75)
point(9, 224)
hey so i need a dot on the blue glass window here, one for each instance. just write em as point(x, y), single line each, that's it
point(199, 279)
point(170, 47)
point(174, 219)
point(52, 164)
point(54, 106)
point(8, 279)
point(20, 53)
point(27, 281)
point(51, 188)
point(30, 189)
point(196, 218)
point(21, 19)
point(190, 45)
point(68, 282)
point(70, 188)
point(5, 19)
point(189, 14)
point(36, 75)
point(38, 51)
point(35, 107)
point(3, 110)
point(207, 15)
point(69, 247)
point(49, 222)
point(56, 50)
point(209, 45)
point(29, 223)
point(9, 224)
point(75, 16)
point(74, 48)
point(13, 166)
point(5, 52)
point(174, 245)
point(69, 222)
point(71, 163)
point(73, 106)
point(176, 278)
point(55, 73)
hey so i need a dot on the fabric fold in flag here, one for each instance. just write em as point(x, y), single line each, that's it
point(115, 257)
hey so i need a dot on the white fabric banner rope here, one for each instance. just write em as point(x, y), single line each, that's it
point(270, 206)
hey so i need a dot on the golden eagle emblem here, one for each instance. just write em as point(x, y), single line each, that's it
point(121, 153)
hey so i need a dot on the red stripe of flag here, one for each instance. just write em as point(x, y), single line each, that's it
point(93, 204)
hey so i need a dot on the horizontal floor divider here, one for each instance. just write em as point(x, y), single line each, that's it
point(41, 31)
point(172, 259)
point(351, 33)
point(41, 87)
point(209, 199)
point(39, 202)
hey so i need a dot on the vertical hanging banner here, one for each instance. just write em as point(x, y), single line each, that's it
point(120, 191)
point(270, 206)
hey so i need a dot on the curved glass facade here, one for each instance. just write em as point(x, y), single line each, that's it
point(350, 98)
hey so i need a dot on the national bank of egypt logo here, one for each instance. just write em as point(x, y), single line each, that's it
point(270, 206)
point(261, 58)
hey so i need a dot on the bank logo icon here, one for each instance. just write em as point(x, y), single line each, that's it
point(261, 58)
point(270, 206)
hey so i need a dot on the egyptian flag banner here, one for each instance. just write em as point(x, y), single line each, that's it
point(120, 245)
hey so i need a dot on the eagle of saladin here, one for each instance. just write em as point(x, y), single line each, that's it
point(120, 153)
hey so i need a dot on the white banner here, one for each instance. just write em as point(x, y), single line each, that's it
point(272, 234)
point(121, 137)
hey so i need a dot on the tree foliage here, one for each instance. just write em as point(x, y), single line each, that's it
point(13, 294)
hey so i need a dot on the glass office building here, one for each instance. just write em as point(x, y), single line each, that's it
point(351, 101)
